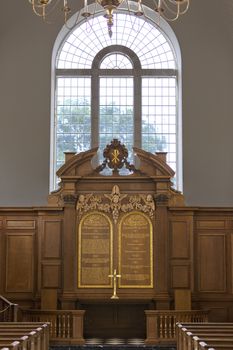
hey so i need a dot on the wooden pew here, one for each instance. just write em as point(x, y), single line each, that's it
point(12, 346)
point(22, 342)
point(24, 335)
point(204, 346)
point(191, 341)
point(192, 336)
point(216, 343)
point(32, 339)
point(41, 335)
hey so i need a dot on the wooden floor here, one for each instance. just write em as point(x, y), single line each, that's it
point(113, 344)
point(112, 347)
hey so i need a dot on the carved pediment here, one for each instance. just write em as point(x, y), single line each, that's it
point(115, 158)
point(152, 172)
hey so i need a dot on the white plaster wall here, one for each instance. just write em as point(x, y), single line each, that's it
point(205, 35)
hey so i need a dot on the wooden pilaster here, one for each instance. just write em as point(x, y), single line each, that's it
point(69, 249)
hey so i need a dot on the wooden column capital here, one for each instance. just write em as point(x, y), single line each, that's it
point(162, 199)
point(69, 199)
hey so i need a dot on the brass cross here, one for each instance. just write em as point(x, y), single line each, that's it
point(114, 276)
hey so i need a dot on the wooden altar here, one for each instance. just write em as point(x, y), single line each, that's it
point(115, 238)
point(128, 220)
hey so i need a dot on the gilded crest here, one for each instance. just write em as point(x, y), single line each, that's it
point(115, 157)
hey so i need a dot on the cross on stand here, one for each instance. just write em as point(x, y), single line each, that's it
point(114, 276)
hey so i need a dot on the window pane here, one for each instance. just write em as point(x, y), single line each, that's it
point(73, 116)
point(116, 61)
point(148, 42)
point(116, 111)
point(159, 117)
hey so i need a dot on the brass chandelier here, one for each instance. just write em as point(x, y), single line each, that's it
point(171, 10)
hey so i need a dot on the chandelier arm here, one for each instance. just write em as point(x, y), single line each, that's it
point(34, 8)
point(162, 10)
point(171, 10)
point(43, 8)
point(52, 7)
point(177, 4)
point(169, 19)
point(186, 9)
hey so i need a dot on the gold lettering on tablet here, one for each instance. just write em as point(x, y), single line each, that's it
point(95, 255)
point(135, 251)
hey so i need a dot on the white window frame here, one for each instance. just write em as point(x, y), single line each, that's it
point(137, 72)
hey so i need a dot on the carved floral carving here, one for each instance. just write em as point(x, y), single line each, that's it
point(115, 203)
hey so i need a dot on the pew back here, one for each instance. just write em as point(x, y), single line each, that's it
point(24, 335)
point(192, 336)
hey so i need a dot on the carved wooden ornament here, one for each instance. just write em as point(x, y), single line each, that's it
point(115, 203)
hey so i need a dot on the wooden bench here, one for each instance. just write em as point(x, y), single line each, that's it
point(190, 340)
point(192, 336)
point(23, 342)
point(24, 335)
point(12, 346)
point(204, 346)
point(214, 342)
point(38, 337)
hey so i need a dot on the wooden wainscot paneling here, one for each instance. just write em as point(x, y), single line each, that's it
point(1, 223)
point(217, 313)
point(180, 239)
point(51, 275)
point(211, 224)
point(230, 224)
point(212, 262)
point(51, 239)
point(180, 276)
point(20, 224)
point(20, 253)
point(231, 237)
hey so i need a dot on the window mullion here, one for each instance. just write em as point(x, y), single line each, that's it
point(137, 110)
point(95, 82)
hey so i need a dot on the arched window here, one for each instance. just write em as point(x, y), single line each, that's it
point(124, 87)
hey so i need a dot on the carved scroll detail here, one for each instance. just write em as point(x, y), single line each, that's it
point(115, 203)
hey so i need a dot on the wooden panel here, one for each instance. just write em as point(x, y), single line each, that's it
point(180, 240)
point(116, 320)
point(231, 261)
point(51, 247)
point(217, 314)
point(20, 224)
point(212, 260)
point(19, 262)
point(51, 275)
point(230, 224)
point(1, 224)
point(182, 299)
point(49, 299)
point(211, 224)
point(180, 276)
